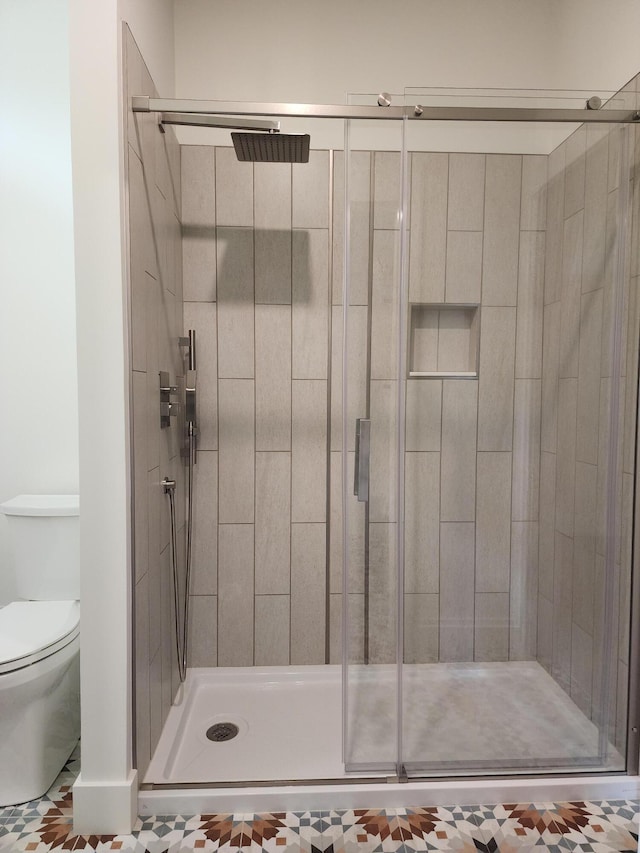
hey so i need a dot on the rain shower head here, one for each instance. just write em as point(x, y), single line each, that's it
point(272, 147)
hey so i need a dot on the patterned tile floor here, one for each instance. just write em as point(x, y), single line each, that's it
point(46, 825)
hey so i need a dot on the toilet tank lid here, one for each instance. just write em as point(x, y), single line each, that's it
point(42, 505)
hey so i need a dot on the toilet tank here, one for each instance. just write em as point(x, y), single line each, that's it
point(44, 535)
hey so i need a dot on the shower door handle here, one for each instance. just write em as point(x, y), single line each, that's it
point(363, 449)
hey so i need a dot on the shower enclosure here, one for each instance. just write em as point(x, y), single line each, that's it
point(413, 497)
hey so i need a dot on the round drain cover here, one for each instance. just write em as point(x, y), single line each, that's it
point(222, 731)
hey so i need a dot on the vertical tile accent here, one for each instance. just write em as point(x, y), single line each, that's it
point(533, 208)
point(307, 593)
point(424, 415)
point(497, 361)
point(273, 528)
point(273, 377)
point(491, 627)
point(310, 316)
point(493, 522)
point(202, 317)
point(310, 195)
point(456, 591)
point(309, 450)
point(550, 368)
point(237, 446)
point(383, 457)
point(589, 377)
point(198, 222)
point(235, 303)
point(466, 192)
point(458, 462)
point(235, 595)
point(501, 229)
point(203, 631)
point(464, 266)
point(360, 221)
point(387, 190)
point(205, 525)
point(428, 241)
point(523, 591)
point(526, 450)
point(384, 308)
point(530, 305)
point(272, 630)
point(565, 473)
point(571, 288)
point(421, 628)
point(422, 522)
point(234, 189)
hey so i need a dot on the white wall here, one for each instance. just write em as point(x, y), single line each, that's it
point(38, 388)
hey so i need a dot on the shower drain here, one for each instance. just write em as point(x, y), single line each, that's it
point(222, 731)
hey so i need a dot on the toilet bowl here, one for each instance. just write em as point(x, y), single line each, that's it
point(39, 648)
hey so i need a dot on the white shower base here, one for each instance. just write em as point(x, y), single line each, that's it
point(290, 721)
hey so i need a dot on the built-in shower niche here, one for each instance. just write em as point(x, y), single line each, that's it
point(443, 341)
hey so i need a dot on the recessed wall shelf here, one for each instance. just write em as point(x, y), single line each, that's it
point(443, 341)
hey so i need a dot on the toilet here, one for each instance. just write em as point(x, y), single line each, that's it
point(40, 646)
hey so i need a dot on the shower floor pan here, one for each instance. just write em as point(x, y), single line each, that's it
point(289, 723)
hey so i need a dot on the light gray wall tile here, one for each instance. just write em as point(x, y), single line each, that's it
point(203, 631)
point(387, 190)
point(545, 633)
point(459, 423)
point(566, 457)
point(202, 318)
point(526, 450)
point(309, 450)
point(385, 306)
point(571, 287)
point(555, 225)
point(236, 595)
point(234, 189)
point(356, 529)
point(383, 593)
point(235, 303)
point(589, 376)
point(155, 697)
point(493, 522)
point(308, 587)
point(273, 528)
point(273, 266)
point(497, 364)
point(547, 523)
point(492, 627)
point(595, 209)
point(501, 229)
point(457, 348)
point(140, 474)
point(383, 456)
point(421, 628)
point(550, 368)
point(529, 315)
point(466, 192)
point(272, 196)
point(357, 371)
point(141, 193)
point(457, 545)
point(575, 171)
point(198, 222)
point(355, 619)
point(237, 447)
point(360, 222)
point(424, 333)
point(272, 630)
point(562, 581)
point(584, 549)
point(273, 377)
point(422, 522)
point(310, 304)
point(205, 525)
point(464, 266)
point(523, 591)
point(311, 192)
point(142, 687)
point(533, 207)
point(428, 240)
point(424, 415)
point(581, 668)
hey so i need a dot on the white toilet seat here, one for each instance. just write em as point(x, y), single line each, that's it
point(31, 631)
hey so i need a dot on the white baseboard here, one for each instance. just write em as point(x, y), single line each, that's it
point(105, 808)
